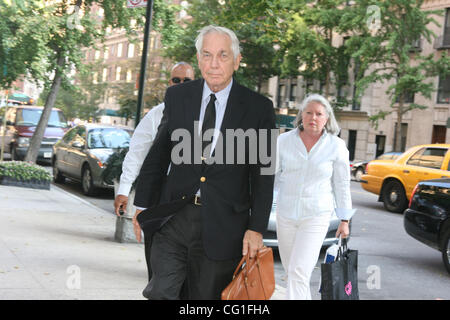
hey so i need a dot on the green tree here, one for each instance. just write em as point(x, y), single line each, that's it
point(386, 45)
point(308, 45)
point(81, 100)
point(21, 53)
point(57, 31)
point(253, 22)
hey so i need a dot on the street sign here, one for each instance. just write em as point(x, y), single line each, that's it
point(136, 3)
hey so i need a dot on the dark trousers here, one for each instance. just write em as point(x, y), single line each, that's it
point(147, 248)
point(178, 258)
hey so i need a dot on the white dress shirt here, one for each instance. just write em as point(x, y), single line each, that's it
point(312, 183)
point(140, 144)
point(221, 105)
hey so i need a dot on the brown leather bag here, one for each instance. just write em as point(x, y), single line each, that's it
point(254, 279)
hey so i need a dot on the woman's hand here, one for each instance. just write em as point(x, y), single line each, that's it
point(343, 230)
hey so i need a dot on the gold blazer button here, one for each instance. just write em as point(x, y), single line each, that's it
point(202, 179)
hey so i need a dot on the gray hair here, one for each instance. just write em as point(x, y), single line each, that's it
point(222, 30)
point(181, 63)
point(331, 125)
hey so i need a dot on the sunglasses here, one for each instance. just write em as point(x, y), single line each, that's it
point(178, 80)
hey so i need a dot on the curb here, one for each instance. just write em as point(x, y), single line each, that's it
point(81, 200)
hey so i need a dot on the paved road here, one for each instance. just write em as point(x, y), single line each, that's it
point(392, 265)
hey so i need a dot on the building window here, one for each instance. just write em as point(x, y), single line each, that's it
point(439, 133)
point(444, 90)
point(309, 85)
point(380, 141)
point(129, 75)
point(119, 50)
point(280, 98)
point(408, 97)
point(352, 143)
point(105, 74)
point(118, 70)
point(97, 54)
point(293, 92)
point(130, 50)
point(446, 41)
point(106, 53)
point(95, 78)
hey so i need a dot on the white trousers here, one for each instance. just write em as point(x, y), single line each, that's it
point(299, 244)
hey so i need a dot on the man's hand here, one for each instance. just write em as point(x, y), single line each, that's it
point(120, 203)
point(137, 227)
point(253, 241)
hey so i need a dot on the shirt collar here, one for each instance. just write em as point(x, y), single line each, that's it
point(221, 96)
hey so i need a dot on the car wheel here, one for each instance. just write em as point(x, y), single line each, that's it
point(57, 175)
point(87, 182)
point(359, 173)
point(446, 249)
point(394, 197)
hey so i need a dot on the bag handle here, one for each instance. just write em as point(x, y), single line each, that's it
point(342, 243)
point(245, 259)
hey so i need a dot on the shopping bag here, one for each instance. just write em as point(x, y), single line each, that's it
point(330, 256)
point(340, 277)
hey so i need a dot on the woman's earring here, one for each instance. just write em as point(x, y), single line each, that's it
point(300, 125)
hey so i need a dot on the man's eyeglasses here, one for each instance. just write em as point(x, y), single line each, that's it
point(178, 80)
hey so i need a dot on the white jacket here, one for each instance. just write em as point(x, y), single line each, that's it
point(314, 183)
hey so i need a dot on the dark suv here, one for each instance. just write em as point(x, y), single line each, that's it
point(428, 217)
point(21, 122)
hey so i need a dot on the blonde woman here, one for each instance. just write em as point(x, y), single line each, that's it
point(312, 180)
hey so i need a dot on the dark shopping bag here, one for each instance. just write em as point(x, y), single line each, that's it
point(340, 277)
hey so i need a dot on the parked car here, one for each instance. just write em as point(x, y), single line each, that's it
point(359, 168)
point(21, 122)
point(394, 180)
point(270, 236)
point(82, 153)
point(428, 217)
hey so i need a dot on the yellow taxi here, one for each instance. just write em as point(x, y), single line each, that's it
point(394, 180)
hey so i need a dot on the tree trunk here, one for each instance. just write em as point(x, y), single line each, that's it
point(36, 140)
point(398, 130)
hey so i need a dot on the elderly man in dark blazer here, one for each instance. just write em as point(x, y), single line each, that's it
point(215, 203)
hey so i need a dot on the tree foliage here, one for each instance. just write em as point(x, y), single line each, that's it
point(52, 34)
point(391, 54)
point(252, 21)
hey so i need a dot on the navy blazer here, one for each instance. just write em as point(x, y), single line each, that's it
point(235, 196)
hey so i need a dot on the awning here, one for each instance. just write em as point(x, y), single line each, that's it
point(284, 121)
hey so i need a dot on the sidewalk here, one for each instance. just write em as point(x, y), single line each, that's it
point(54, 245)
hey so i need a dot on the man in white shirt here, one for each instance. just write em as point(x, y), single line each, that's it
point(141, 141)
point(143, 136)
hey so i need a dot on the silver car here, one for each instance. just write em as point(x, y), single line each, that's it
point(270, 236)
point(82, 152)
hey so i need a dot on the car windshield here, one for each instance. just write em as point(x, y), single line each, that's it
point(30, 117)
point(108, 138)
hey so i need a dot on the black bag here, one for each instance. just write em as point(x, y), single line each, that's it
point(340, 277)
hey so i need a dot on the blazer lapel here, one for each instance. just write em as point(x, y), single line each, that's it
point(193, 104)
point(235, 110)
